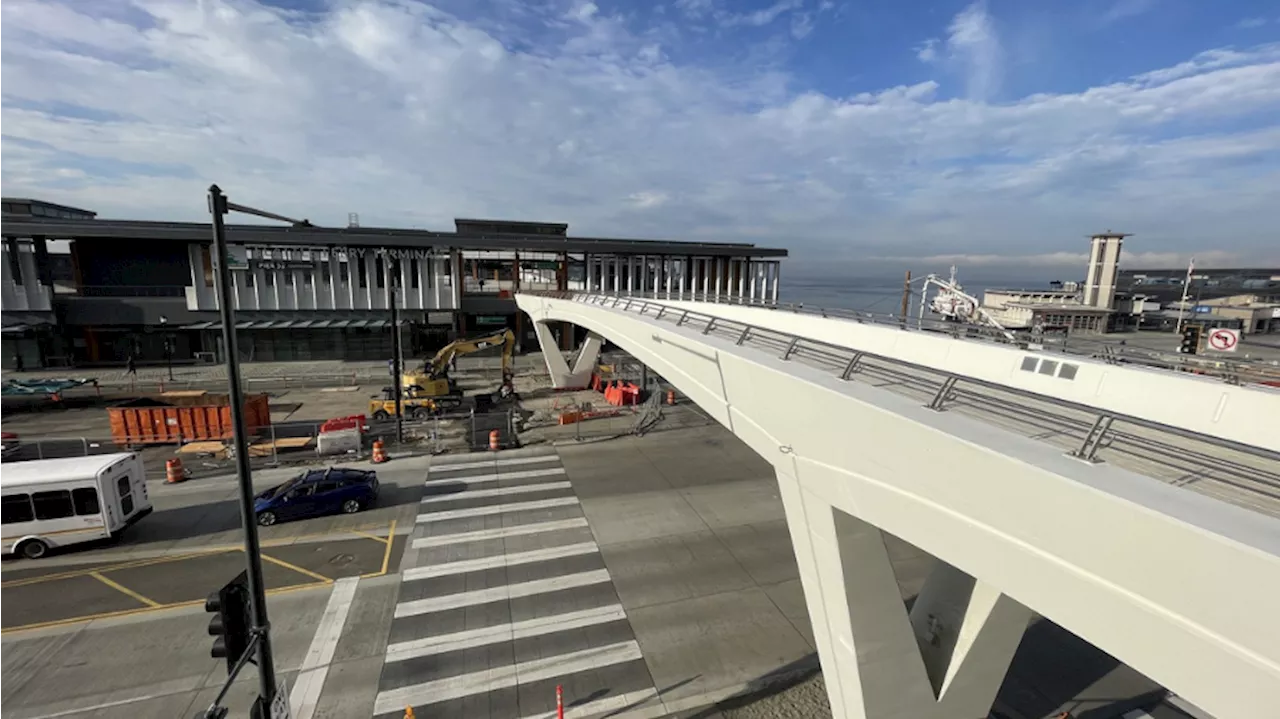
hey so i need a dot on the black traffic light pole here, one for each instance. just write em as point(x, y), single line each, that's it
point(219, 206)
point(397, 351)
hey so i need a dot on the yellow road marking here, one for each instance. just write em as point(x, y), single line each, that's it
point(114, 567)
point(391, 536)
point(125, 590)
point(143, 610)
point(186, 555)
point(296, 568)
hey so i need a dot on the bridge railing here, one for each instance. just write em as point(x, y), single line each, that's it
point(1093, 429)
point(1231, 371)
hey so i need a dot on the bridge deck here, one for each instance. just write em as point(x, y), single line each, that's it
point(1230, 475)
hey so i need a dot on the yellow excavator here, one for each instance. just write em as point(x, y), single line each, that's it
point(429, 388)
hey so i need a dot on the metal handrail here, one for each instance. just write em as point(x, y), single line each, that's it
point(1232, 371)
point(795, 346)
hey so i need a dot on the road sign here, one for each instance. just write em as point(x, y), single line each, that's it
point(280, 702)
point(1223, 340)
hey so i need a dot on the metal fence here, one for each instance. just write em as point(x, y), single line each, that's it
point(1092, 429)
point(1230, 370)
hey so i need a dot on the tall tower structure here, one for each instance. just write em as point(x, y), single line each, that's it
point(1104, 265)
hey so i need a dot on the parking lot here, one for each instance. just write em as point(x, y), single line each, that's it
point(38, 596)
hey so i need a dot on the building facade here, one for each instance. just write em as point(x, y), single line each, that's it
point(80, 291)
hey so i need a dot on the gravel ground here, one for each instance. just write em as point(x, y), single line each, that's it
point(804, 700)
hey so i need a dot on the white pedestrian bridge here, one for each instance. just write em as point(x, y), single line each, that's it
point(1138, 508)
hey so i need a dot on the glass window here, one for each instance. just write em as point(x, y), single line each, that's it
point(248, 278)
point(125, 490)
point(303, 491)
point(85, 501)
point(206, 263)
point(1068, 371)
point(288, 278)
point(363, 279)
point(324, 487)
point(269, 278)
point(16, 508)
point(344, 273)
point(379, 269)
point(52, 505)
point(325, 273)
point(1029, 364)
point(306, 279)
point(413, 273)
point(1048, 367)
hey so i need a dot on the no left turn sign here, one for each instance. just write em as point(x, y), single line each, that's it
point(1224, 340)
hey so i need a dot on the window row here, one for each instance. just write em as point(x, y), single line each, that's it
point(55, 504)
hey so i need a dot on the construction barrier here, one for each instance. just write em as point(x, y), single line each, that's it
point(671, 396)
point(355, 421)
point(495, 440)
point(379, 452)
point(173, 471)
point(621, 393)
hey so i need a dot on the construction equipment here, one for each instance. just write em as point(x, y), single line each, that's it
point(432, 380)
point(413, 404)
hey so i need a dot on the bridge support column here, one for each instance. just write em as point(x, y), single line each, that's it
point(946, 659)
point(561, 376)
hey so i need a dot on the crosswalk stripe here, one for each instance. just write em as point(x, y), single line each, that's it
point(496, 492)
point(613, 707)
point(494, 594)
point(507, 462)
point(523, 474)
point(497, 509)
point(502, 677)
point(501, 560)
point(520, 530)
point(504, 632)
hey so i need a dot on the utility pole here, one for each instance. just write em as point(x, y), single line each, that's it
point(397, 350)
point(219, 206)
point(1186, 289)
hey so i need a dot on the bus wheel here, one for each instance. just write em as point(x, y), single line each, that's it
point(34, 549)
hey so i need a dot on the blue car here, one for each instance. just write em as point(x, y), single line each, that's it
point(316, 492)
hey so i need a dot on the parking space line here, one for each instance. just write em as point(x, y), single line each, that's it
point(125, 590)
point(386, 556)
point(296, 568)
point(145, 610)
point(113, 567)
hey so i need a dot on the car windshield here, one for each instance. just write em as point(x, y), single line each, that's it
point(287, 486)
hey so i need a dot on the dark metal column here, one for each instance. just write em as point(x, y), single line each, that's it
point(261, 626)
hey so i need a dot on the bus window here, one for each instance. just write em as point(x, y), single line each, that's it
point(126, 495)
point(85, 501)
point(52, 505)
point(16, 508)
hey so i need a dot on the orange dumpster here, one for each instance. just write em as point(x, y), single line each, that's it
point(170, 420)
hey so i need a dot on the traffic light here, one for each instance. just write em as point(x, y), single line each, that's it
point(1190, 340)
point(231, 622)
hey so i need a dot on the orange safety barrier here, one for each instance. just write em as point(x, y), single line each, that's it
point(355, 421)
point(379, 453)
point(173, 471)
point(495, 440)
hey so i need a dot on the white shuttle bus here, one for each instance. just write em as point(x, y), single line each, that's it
point(59, 502)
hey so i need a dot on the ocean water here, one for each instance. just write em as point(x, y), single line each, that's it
point(881, 295)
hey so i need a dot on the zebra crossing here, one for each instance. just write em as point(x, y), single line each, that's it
point(509, 597)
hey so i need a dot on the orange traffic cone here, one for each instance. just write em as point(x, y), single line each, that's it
point(379, 454)
point(495, 440)
point(173, 471)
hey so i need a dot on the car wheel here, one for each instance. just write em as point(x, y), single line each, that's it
point(381, 415)
point(266, 519)
point(351, 506)
point(34, 549)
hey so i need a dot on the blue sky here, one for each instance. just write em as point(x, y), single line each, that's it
point(861, 134)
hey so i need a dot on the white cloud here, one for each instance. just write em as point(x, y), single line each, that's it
point(972, 50)
point(411, 117)
point(973, 41)
point(1069, 261)
point(1251, 22)
point(1122, 9)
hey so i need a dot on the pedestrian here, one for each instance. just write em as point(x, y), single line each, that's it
point(130, 366)
point(18, 364)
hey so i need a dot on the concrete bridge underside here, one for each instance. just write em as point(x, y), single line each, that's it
point(1178, 586)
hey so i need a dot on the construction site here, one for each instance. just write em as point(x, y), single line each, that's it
point(474, 395)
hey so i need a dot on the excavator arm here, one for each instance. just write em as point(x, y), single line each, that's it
point(438, 366)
